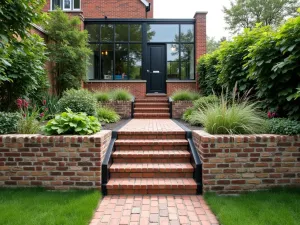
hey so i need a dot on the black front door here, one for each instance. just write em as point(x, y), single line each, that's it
point(156, 70)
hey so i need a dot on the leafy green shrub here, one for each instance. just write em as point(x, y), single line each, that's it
point(209, 71)
point(8, 122)
point(107, 115)
point(121, 95)
point(26, 73)
point(78, 101)
point(274, 64)
point(186, 115)
point(184, 95)
point(227, 117)
point(102, 96)
point(283, 126)
point(72, 123)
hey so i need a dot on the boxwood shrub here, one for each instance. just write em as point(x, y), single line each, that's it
point(9, 122)
point(283, 126)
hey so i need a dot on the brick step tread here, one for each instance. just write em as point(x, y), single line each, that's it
point(156, 104)
point(151, 167)
point(152, 154)
point(152, 183)
point(154, 132)
point(151, 175)
point(152, 142)
point(151, 192)
point(147, 114)
point(151, 100)
point(138, 109)
point(156, 95)
point(151, 117)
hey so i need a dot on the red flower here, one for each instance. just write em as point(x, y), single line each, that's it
point(25, 103)
point(42, 115)
point(46, 109)
point(44, 102)
point(269, 115)
point(19, 103)
point(24, 115)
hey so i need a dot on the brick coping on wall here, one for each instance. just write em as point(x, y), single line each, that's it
point(238, 163)
point(53, 162)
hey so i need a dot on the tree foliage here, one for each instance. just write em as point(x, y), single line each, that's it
point(246, 13)
point(26, 74)
point(68, 50)
point(16, 17)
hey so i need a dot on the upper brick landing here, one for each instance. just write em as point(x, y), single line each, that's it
point(112, 9)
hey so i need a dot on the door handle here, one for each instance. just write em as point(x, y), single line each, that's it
point(155, 71)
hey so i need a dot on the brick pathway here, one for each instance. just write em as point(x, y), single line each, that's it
point(151, 125)
point(143, 210)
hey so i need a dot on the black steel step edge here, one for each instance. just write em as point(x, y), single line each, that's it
point(170, 106)
point(108, 159)
point(195, 159)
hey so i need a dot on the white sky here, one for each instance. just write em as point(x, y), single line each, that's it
point(187, 8)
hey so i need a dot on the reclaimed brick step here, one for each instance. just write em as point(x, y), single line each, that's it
point(151, 186)
point(151, 144)
point(151, 156)
point(152, 115)
point(151, 167)
point(151, 105)
point(129, 135)
point(156, 95)
point(147, 110)
point(151, 100)
point(151, 175)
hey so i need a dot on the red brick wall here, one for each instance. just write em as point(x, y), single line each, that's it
point(200, 41)
point(54, 162)
point(123, 108)
point(172, 87)
point(137, 89)
point(236, 163)
point(112, 9)
point(179, 107)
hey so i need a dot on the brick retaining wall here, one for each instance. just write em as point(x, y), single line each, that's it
point(236, 163)
point(123, 108)
point(179, 107)
point(54, 162)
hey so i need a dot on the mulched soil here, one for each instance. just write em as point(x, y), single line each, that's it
point(191, 127)
point(112, 126)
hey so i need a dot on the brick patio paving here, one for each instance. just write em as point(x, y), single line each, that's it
point(163, 210)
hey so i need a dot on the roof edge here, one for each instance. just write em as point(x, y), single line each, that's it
point(145, 2)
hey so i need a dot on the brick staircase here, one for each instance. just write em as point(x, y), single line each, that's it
point(153, 162)
point(152, 107)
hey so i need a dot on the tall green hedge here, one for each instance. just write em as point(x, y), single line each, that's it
point(262, 59)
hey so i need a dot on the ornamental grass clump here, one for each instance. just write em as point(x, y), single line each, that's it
point(102, 96)
point(230, 117)
point(185, 95)
point(72, 123)
point(120, 95)
point(107, 115)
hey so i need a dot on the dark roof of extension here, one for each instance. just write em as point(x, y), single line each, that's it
point(146, 3)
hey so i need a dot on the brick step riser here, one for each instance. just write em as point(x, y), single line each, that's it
point(151, 147)
point(151, 101)
point(150, 117)
point(150, 136)
point(151, 175)
point(150, 160)
point(151, 105)
point(150, 110)
point(131, 191)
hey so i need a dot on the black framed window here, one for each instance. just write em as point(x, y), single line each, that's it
point(122, 45)
point(66, 5)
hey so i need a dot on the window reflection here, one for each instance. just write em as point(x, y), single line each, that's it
point(121, 70)
point(107, 61)
point(173, 61)
point(94, 32)
point(107, 32)
point(187, 61)
point(187, 33)
point(135, 61)
point(94, 67)
point(135, 32)
point(122, 32)
point(163, 33)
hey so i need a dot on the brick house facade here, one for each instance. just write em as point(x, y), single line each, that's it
point(133, 50)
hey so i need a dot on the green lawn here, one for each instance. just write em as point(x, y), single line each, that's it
point(40, 207)
point(274, 207)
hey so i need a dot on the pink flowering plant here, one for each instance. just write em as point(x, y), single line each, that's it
point(31, 117)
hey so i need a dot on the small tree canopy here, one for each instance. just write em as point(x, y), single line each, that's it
point(247, 13)
point(68, 50)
